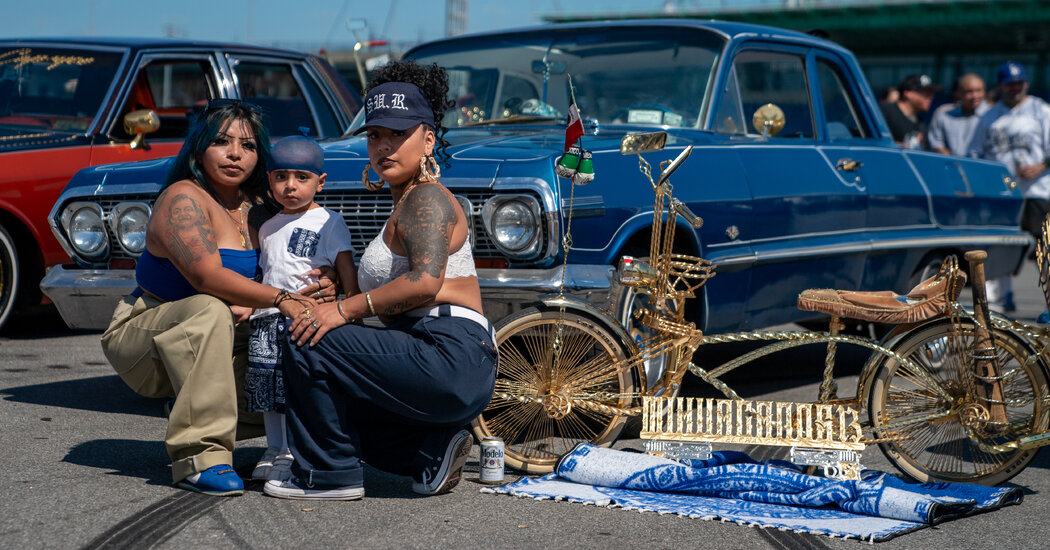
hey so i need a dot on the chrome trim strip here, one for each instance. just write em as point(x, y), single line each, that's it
point(577, 277)
point(1020, 239)
point(586, 207)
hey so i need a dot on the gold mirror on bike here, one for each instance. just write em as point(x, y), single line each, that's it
point(768, 120)
point(648, 142)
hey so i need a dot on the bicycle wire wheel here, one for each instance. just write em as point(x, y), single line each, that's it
point(941, 449)
point(547, 402)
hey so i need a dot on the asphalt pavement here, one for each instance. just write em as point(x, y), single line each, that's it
point(83, 466)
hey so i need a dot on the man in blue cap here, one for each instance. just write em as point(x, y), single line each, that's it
point(1016, 132)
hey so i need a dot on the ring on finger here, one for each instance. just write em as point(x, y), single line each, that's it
point(315, 324)
point(306, 313)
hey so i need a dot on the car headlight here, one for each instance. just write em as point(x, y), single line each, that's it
point(86, 231)
point(513, 223)
point(128, 222)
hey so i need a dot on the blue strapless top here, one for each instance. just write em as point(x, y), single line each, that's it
point(161, 278)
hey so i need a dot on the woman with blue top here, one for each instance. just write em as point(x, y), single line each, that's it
point(182, 332)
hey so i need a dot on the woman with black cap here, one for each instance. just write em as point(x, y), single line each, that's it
point(395, 396)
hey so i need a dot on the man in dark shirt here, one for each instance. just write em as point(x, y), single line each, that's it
point(904, 115)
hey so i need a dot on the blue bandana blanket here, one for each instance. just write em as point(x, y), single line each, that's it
point(732, 487)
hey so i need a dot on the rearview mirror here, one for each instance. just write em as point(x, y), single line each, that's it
point(540, 66)
point(642, 143)
point(139, 123)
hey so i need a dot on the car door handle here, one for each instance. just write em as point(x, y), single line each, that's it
point(848, 165)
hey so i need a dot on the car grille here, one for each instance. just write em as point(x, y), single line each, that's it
point(364, 212)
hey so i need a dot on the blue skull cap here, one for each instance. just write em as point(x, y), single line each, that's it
point(297, 153)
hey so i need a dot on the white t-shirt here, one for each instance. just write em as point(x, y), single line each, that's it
point(292, 244)
point(952, 129)
point(1018, 137)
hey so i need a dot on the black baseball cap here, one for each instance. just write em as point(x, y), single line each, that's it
point(916, 82)
point(396, 105)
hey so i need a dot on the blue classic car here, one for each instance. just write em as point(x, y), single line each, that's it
point(828, 201)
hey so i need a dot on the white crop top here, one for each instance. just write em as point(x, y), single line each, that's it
point(379, 265)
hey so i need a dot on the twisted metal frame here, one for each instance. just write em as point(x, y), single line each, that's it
point(675, 278)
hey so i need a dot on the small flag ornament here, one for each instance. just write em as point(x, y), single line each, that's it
point(576, 163)
point(574, 128)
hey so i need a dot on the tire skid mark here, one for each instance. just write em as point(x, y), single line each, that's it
point(156, 523)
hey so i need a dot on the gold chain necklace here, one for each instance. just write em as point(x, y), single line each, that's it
point(241, 229)
point(408, 187)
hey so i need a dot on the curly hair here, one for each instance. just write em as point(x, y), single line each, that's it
point(433, 81)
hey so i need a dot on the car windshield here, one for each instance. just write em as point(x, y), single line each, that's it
point(637, 76)
point(52, 88)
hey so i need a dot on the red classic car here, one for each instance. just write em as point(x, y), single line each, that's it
point(66, 104)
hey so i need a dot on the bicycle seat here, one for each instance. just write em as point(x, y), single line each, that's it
point(927, 300)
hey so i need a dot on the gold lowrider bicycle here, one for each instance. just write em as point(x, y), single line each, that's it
point(950, 394)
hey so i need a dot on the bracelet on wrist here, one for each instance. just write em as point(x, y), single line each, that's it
point(371, 308)
point(282, 295)
point(339, 306)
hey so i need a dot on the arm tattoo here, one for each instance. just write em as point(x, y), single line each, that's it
point(426, 225)
point(190, 235)
point(394, 310)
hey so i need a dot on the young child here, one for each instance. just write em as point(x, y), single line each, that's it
point(302, 237)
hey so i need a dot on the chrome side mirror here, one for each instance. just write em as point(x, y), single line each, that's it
point(633, 144)
point(139, 123)
point(768, 120)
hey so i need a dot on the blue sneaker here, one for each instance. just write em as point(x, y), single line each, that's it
point(1044, 317)
point(220, 481)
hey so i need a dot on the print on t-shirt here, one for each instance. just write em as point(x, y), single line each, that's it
point(303, 242)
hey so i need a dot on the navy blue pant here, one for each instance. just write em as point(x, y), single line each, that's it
point(375, 393)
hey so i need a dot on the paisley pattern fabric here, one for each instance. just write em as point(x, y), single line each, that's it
point(732, 487)
point(264, 381)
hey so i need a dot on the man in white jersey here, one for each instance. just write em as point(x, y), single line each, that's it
point(1016, 132)
point(953, 125)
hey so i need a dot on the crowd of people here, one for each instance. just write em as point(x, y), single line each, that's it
point(1010, 126)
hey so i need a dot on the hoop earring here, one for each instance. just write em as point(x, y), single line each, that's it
point(429, 170)
point(370, 185)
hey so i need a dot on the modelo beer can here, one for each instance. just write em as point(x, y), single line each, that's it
point(492, 460)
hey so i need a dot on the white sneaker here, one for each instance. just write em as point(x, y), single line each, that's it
point(295, 489)
point(265, 464)
point(282, 467)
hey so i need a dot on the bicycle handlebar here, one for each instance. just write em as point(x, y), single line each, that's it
point(666, 173)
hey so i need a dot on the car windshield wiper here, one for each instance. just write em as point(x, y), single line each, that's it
point(512, 119)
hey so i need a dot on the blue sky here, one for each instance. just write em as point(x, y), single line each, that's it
point(304, 24)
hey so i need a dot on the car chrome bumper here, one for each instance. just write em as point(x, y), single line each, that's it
point(86, 297)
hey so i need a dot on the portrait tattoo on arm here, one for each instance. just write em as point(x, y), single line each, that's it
point(190, 235)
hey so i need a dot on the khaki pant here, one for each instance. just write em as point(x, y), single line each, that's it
point(189, 349)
